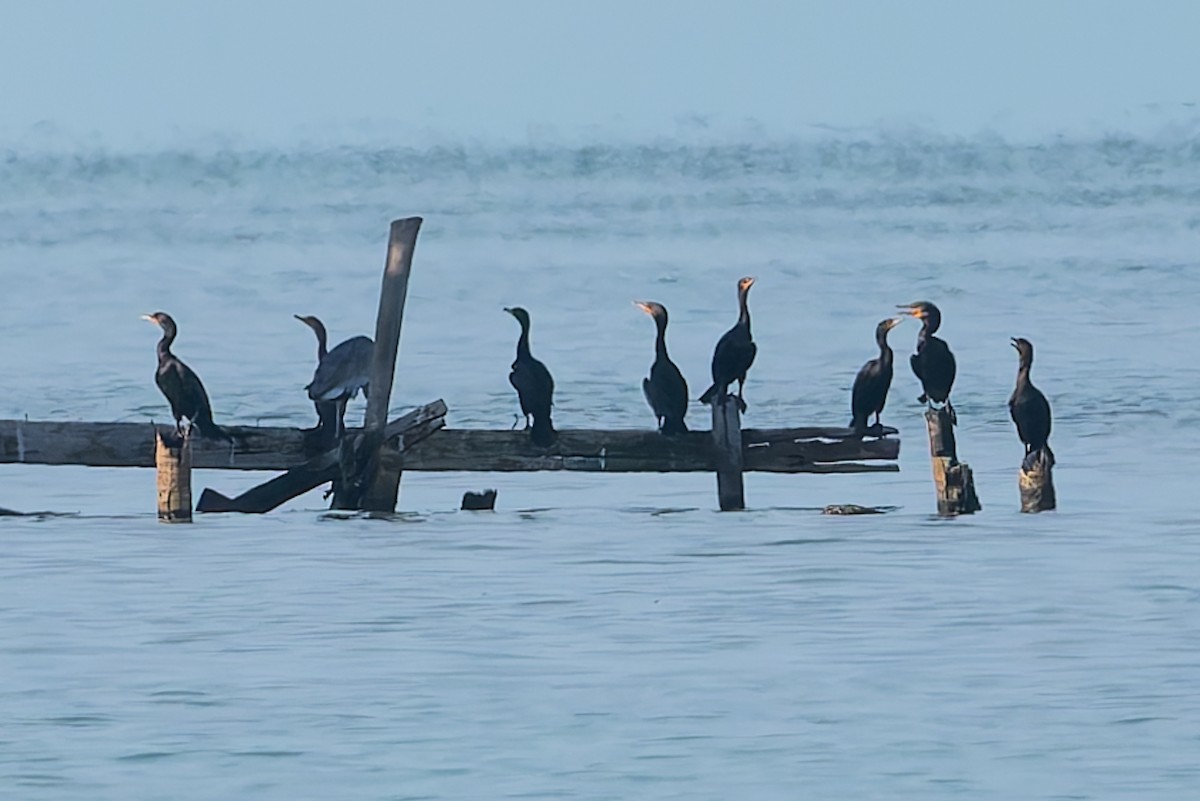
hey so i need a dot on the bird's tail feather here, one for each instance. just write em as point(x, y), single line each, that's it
point(542, 433)
point(712, 393)
point(210, 430)
point(674, 425)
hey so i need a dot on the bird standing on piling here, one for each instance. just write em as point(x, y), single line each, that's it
point(666, 390)
point(933, 363)
point(1029, 408)
point(534, 385)
point(734, 353)
point(340, 374)
point(181, 386)
point(873, 381)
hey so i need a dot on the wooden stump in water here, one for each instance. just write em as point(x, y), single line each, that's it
point(953, 480)
point(479, 501)
point(173, 458)
point(1037, 483)
point(727, 451)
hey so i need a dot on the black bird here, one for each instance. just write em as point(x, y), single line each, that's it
point(666, 390)
point(181, 386)
point(933, 363)
point(734, 353)
point(340, 374)
point(534, 385)
point(1029, 408)
point(873, 380)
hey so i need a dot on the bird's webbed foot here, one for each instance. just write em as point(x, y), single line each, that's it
point(923, 399)
point(741, 403)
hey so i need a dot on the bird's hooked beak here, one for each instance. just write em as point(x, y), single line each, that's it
point(150, 317)
point(507, 309)
point(913, 310)
point(747, 282)
point(644, 307)
point(893, 322)
point(1014, 343)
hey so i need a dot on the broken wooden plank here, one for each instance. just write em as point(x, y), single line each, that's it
point(406, 431)
point(380, 478)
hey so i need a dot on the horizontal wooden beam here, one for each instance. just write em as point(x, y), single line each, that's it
point(132, 444)
point(636, 451)
point(796, 450)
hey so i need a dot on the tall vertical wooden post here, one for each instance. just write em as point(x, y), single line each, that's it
point(1036, 481)
point(174, 463)
point(378, 483)
point(953, 479)
point(727, 453)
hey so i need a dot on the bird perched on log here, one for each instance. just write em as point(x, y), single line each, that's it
point(873, 381)
point(734, 353)
point(933, 363)
point(666, 390)
point(1029, 409)
point(181, 386)
point(340, 374)
point(534, 385)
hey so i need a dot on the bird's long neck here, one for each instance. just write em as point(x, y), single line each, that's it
point(660, 342)
point(164, 344)
point(322, 340)
point(1023, 371)
point(885, 350)
point(523, 342)
point(930, 324)
point(744, 308)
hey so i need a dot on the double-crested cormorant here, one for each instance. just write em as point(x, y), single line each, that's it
point(666, 390)
point(340, 374)
point(933, 363)
point(534, 385)
point(1029, 408)
point(873, 380)
point(734, 353)
point(181, 386)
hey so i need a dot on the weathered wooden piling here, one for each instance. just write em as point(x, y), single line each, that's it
point(953, 480)
point(371, 472)
point(1037, 483)
point(173, 459)
point(728, 453)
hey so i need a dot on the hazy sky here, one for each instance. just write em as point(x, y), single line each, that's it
point(126, 73)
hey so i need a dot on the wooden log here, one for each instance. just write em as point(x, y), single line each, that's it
point(1036, 481)
point(479, 501)
point(855, 509)
point(952, 479)
point(799, 450)
point(406, 430)
point(728, 454)
point(173, 458)
point(643, 451)
point(382, 483)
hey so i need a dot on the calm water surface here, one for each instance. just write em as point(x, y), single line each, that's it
point(613, 636)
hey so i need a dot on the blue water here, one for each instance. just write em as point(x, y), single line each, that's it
point(613, 636)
